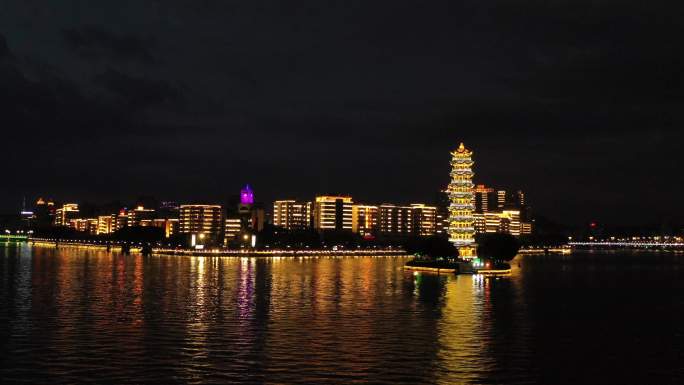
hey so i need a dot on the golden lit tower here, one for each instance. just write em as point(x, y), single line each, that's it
point(460, 191)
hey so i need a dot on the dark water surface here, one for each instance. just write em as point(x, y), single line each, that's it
point(75, 315)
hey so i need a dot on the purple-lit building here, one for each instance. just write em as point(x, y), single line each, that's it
point(246, 196)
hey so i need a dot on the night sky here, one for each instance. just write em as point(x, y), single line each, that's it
point(578, 103)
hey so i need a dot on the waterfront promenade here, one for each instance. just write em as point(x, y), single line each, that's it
point(247, 252)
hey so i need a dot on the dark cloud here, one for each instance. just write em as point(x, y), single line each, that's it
point(94, 42)
point(45, 106)
point(4, 50)
point(138, 92)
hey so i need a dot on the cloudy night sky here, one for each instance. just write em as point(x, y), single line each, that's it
point(578, 103)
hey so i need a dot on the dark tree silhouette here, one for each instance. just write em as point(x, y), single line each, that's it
point(432, 246)
point(497, 246)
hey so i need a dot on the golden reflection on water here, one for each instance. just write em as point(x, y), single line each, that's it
point(79, 315)
point(293, 318)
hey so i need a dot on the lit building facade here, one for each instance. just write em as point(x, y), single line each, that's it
point(395, 220)
point(78, 224)
point(138, 215)
point(506, 221)
point(251, 213)
point(246, 196)
point(424, 219)
point(202, 221)
point(106, 224)
point(92, 226)
point(66, 213)
point(460, 191)
point(171, 227)
point(486, 199)
point(442, 221)
point(511, 218)
point(233, 229)
point(86, 225)
point(510, 199)
point(333, 212)
point(415, 220)
point(525, 228)
point(480, 222)
point(501, 199)
point(365, 219)
point(122, 219)
point(292, 215)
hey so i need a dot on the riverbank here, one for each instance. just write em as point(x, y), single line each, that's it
point(547, 250)
point(219, 252)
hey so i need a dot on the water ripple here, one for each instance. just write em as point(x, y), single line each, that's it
point(75, 316)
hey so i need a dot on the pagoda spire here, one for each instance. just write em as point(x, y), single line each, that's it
point(461, 195)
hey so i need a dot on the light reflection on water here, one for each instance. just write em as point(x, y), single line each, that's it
point(77, 315)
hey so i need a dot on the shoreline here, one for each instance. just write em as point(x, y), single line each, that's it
point(137, 248)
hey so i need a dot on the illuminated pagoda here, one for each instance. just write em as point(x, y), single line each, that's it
point(460, 191)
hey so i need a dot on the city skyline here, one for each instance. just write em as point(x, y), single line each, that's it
point(438, 198)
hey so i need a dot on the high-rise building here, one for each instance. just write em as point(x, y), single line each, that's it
point(460, 190)
point(480, 223)
point(92, 226)
point(233, 229)
point(246, 196)
point(415, 220)
point(106, 224)
point(202, 221)
point(86, 225)
point(171, 227)
point(250, 212)
point(257, 217)
point(486, 199)
point(66, 213)
point(246, 203)
point(333, 212)
point(501, 199)
point(424, 219)
point(78, 224)
point(122, 219)
point(494, 223)
point(506, 221)
point(395, 220)
point(512, 220)
point(525, 228)
point(44, 211)
point(510, 199)
point(139, 214)
point(442, 221)
point(292, 215)
point(365, 219)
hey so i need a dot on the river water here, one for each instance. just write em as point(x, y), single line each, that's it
point(76, 315)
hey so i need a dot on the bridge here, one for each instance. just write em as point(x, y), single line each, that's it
point(6, 238)
point(630, 244)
